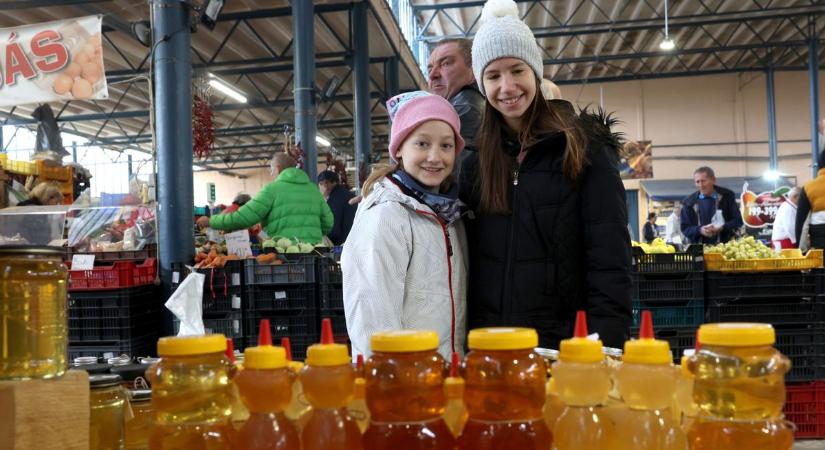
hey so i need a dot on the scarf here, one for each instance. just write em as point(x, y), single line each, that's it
point(447, 206)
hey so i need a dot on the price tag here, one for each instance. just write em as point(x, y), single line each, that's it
point(280, 295)
point(83, 262)
point(236, 279)
point(237, 243)
point(236, 302)
point(175, 277)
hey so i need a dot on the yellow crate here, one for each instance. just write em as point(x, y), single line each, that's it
point(54, 173)
point(793, 260)
point(19, 167)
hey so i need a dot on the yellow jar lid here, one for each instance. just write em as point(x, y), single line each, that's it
point(191, 345)
point(647, 351)
point(683, 366)
point(295, 366)
point(404, 341)
point(581, 350)
point(737, 334)
point(500, 338)
point(327, 355)
point(265, 357)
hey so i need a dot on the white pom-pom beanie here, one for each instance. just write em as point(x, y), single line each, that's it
point(503, 35)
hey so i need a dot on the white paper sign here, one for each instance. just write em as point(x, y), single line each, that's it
point(83, 262)
point(237, 243)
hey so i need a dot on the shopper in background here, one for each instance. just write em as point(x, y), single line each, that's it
point(240, 200)
point(405, 262)
point(709, 215)
point(43, 194)
point(338, 198)
point(549, 235)
point(450, 70)
point(649, 230)
point(783, 234)
point(673, 228)
point(812, 201)
point(289, 207)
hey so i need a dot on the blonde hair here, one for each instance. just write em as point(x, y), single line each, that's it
point(282, 160)
point(45, 192)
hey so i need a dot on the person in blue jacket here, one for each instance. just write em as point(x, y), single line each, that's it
point(699, 208)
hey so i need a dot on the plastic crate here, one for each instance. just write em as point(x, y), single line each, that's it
point(688, 261)
point(801, 310)
point(231, 325)
point(116, 303)
point(121, 274)
point(281, 298)
point(674, 313)
point(779, 285)
point(150, 251)
point(332, 296)
point(677, 286)
point(301, 329)
point(54, 173)
point(298, 270)
point(680, 339)
point(146, 346)
point(793, 260)
point(339, 322)
point(805, 346)
point(329, 271)
point(805, 407)
point(113, 329)
point(18, 167)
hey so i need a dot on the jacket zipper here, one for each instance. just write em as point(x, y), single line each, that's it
point(505, 305)
point(449, 246)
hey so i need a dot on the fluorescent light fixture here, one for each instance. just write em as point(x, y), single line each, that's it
point(320, 140)
point(226, 89)
point(196, 168)
point(667, 44)
point(771, 175)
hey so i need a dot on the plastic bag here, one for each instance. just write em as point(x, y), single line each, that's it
point(186, 303)
point(718, 219)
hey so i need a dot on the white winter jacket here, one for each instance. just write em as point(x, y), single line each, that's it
point(398, 273)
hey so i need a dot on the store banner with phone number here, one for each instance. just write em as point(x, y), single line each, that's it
point(53, 61)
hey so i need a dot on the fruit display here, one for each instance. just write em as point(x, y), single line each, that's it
point(743, 248)
point(286, 245)
point(657, 246)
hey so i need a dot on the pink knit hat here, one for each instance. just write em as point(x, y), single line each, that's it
point(411, 109)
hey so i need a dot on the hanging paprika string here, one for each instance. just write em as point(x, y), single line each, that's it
point(203, 128)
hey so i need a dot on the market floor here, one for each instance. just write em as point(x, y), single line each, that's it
point(809, 445)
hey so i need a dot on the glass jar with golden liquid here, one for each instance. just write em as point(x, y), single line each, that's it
point(191, 394)
point(107, 403)
point(33, 324)
point(139, 427)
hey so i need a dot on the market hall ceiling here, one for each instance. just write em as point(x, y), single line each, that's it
point(584, 41)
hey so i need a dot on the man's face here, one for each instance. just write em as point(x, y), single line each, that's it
point(704, 183)
point(448, 71)
point(325, 187)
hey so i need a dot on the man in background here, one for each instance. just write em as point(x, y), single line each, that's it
point(338, 198)
point(708, 203)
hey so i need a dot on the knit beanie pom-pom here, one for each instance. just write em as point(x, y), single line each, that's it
point(499, 8)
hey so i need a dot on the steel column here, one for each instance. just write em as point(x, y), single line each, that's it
point(361, 91)
point(813, 85)
point(172, 67)
point(772, 144)
point(303, 25)
point(74, 151)
point(391, 77)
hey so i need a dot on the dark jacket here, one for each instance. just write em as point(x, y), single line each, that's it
point(564, 247)
point(469, 104)
point(343, 212)
point(31, 201)
point(726, 201)
point(649, 232)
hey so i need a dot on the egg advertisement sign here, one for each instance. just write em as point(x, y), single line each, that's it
point(52, 61)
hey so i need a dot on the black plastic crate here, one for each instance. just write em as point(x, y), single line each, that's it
point(296, 270)
point(285, 325)
point(149, 251)
point(805, 346)
point(281, 298)
point(113, 329)
point(669, 314)
point(680, 339)
point(329, 271)
point(661, 286)
point(114, 303)
point(145, 346)
point(777, 285)
point(332, 296)
point(691, 260)
point(338, 320)
point(799, 310)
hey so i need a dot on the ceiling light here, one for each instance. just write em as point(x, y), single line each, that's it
point(322, 141)
point(667, 44)
point(771, 175)
point(226, 89)
point(197, 168)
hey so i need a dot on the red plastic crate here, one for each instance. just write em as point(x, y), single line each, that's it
point(805, 407)
point(122, 274)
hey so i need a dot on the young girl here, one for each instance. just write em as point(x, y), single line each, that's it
point(549, 235)
point(404, 263)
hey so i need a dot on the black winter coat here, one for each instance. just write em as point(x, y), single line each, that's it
point(343, 213)
point(564, 247)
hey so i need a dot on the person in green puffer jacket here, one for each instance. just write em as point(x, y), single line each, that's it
point(290, 207)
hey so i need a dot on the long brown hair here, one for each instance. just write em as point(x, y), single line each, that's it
point(540, 119)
